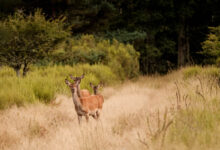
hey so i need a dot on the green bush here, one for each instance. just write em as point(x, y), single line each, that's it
point(193, 71)
point(15, 91)
point(121, 58)
point(211, 47)
point(44, 83)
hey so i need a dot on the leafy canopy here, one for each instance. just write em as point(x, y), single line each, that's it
point(211, 47)
point(24, 39)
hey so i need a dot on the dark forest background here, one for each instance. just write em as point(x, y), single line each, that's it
point(167, 33)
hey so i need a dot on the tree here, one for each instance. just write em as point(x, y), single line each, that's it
point(173, 30)
point(211, 47)
point(24, 39)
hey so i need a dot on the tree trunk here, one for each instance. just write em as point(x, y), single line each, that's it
point(25, 69)
point(17, 70)
point(183, 44)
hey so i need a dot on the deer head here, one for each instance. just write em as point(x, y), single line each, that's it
point(96, 87)
point(71, 85)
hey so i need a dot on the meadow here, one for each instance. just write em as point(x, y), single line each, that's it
point(178, 111)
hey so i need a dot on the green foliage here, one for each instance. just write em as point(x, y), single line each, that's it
point(43, 84)
point(193, 71)
point(15, 91)
point(154, 23)
point(211, 47)
point(121, 58)
point(25, 39)
point(125, 36)
point(89, 16)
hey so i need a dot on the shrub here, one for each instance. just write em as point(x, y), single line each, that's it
point(44, 83)
point(193, 71)
point(211, 47)
point(121, 58)
point(15, 91)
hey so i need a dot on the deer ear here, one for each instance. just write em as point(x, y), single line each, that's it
point(72, 77)
point(67, 82)
point(91, 85)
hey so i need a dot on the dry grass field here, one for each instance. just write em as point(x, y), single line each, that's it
point(55, 126)
point(135, 115)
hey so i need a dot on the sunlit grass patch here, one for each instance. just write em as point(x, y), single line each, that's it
point(44, 83)
point(193, 71)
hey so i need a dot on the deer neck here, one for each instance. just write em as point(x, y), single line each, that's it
point(78, 91)
point(95, 92)
point(76, 99)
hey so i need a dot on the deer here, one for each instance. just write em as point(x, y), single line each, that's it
point(84, 106)
point(83, 92)
point(100, 97)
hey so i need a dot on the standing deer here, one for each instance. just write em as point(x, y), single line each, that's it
point(84, 106)
point(100, 97)
point(83, 92)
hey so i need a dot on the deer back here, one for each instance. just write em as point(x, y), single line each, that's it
point(90, 103)
point(84, 93)
point(100, 100)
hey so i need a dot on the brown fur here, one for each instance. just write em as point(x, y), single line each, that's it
point(101, 101)
point(100, 97)
point(90, 103)
point(85, 106)
point(84, 93)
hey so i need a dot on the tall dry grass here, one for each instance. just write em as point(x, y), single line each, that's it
point(55, 126)
point(169, 112)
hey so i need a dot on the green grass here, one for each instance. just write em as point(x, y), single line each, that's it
point(193, 71)
point(43, 84)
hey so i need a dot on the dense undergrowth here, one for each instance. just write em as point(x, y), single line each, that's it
point(44, 83)
point(100, 60)
point(121, 58)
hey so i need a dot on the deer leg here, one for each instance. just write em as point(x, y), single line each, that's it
point(94, 116)
point(97, 114)
point(79, 118)
point(87, 117)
